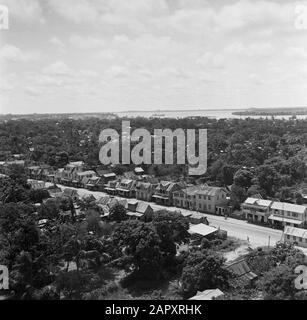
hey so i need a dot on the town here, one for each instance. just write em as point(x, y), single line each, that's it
point(101, 211)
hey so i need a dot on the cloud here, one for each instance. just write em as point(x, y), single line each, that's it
point(58, 68)
point(86, 42)
point(11, 53)
point(76, 11)
point(57, 42)
point(29, 11)
point(251, 50)
point(211, 60)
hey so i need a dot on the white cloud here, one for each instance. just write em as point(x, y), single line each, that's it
point(12, 53)
point(82, 42)
point(58, 68)
point(251, 50)
point(29, 11)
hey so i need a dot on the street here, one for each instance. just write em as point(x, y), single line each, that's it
point(256, 235)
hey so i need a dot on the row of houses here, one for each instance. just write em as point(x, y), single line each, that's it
point(274, 213)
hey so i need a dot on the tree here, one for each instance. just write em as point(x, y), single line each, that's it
point(117, 213)
point(237, 196)
point(203, 270)
point(171, 224)
point(278, 283)
point(243, 178)
point(139, 246)
point(37, 196)
point(268, 179)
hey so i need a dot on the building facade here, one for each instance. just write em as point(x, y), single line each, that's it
point(256, 210)
point(201, 198)
point(287, 214)
point(164, 192)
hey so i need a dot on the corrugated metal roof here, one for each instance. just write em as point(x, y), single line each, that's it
point(202, 229)
point(207, 294)
point(297, 232)
point(288, 207)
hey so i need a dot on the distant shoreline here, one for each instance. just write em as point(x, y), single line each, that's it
point(272, 112)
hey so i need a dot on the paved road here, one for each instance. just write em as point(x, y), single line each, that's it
point(257, 235)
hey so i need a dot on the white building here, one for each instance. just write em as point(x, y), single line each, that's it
point(297, 236)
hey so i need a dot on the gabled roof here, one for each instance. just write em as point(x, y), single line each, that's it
point(142, 207)
point(104, 200)
point(258, 202)
point(166, 185)
point(241, 269)
point(202, 190)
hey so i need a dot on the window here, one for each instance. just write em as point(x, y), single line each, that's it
point(288, 237)
point(209, 198)
point(209, 207)
point(199, 206)
point(294, 214)
point(294, 238)
point(300, 240)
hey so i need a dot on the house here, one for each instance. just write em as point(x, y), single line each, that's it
point(92, 183)
point(84, 177)
point(139, 209)
point(241, 271)
point(105, 177)
point(138, 171)
point(33, 172)
point(55, 191)
point(288, 214)
point(256, 210)
point(202, 198)
point(164, 192)
point(208, 294)
point(201, 230)
point(131, 205)
point(294, 235)
point(126, 188)
point(144, 190)
point(46, 170)
point(58, 176)
point(70, 172)
point(145, 209)
point(110, 187)
point(103, 200)
point(35, 184)
point(197, 217)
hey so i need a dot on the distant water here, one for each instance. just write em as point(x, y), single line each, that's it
point(218, 114)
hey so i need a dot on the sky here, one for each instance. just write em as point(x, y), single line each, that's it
point(115, 55)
